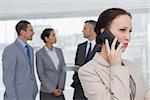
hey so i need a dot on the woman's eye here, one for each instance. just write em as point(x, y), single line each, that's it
point(123, 30)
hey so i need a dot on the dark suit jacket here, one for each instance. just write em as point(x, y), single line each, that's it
point(81, 59)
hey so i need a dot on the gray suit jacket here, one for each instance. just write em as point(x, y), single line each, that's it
point(18, 73)
point(48, 75)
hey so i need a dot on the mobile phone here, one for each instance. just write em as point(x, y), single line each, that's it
point(106, 34)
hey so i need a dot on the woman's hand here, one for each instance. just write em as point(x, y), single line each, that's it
point(114, 56)
point(57, 92)
point(60, 90)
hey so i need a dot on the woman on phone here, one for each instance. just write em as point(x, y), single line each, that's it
point(107, 76)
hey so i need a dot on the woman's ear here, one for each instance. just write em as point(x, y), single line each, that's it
point(46, 38)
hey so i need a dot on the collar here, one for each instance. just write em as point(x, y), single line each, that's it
point(93, 42)
point(48, 50)
point(22, 43)
point(99, 59)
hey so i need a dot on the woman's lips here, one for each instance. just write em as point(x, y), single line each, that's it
point(125, 45)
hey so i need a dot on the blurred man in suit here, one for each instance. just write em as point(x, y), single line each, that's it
point(85, 53)
point(18, 66)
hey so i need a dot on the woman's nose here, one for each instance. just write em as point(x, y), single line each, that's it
point(128, 36)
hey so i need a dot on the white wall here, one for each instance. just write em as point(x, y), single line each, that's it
point(50, 8)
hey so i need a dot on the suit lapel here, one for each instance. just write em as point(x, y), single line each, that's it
point(48, 59)
point(18, 44)
point(31, 56)
point(136, 77)
point(84, 50)
point(95, 49)
point(104, 71)
point(59, 57)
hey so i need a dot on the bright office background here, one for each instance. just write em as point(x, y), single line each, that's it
point(67, 18)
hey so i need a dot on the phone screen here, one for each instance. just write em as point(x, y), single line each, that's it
point(106, 34)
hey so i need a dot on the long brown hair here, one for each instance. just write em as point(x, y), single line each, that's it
point(106, 17)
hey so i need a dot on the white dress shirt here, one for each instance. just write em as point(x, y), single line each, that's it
point(53, 55)
point(93, 43)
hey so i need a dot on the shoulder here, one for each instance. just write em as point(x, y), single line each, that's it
point(90, 67)
point(133, 67)
point(10, 47)
point(57, 48)
point(40, 51)
point(82, 44)
point(130, 63)
point(10, 50)
point(91, 71)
